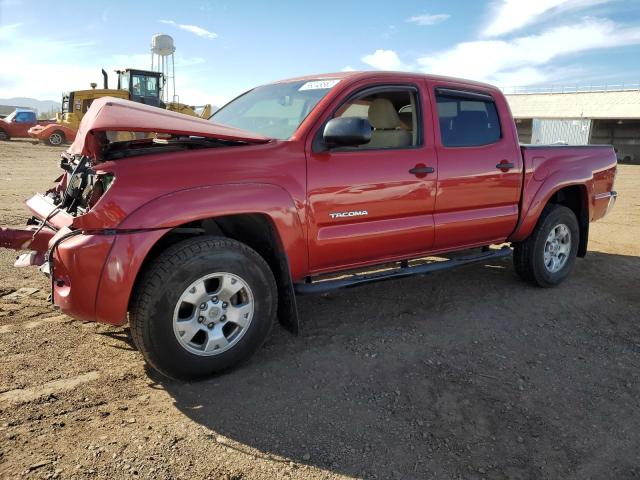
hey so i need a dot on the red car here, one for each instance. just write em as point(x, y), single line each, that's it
point(204, 232)
point(17, 124)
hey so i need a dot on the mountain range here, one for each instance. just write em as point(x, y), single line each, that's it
point(33, 103)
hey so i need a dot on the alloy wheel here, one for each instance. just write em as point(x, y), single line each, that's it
point(213, 313)
point(557, 248)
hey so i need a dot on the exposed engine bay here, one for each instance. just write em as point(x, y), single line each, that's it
point(81, 186)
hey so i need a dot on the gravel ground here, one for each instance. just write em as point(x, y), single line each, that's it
point(463, 374)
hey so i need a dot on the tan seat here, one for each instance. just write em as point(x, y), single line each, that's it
point(406, 120)
point(387, 131)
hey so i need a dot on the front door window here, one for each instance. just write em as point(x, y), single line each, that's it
point(392, 115)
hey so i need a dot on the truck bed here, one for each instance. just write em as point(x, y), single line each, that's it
point(551, 167)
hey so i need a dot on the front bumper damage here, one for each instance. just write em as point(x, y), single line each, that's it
point(31, 238)
point(92, 273)
point(49, 242)
point(47, 220)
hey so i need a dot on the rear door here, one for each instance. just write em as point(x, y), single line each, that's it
point(369, 204)
point(479, 168)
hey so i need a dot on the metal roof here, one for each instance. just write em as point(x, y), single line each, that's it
point(597, 105)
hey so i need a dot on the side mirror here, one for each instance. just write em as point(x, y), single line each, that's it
point(347, 132)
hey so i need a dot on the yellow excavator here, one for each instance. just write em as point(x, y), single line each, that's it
point(142, 86)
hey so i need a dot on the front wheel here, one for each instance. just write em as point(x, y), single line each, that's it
point(4, 136)
point(547, 256)
point(203, 306)
point(56, 139)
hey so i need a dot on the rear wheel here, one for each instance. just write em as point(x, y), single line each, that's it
point(56, 138)
point(547, 256)
point(203, 306)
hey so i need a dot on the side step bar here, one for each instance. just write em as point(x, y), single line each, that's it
point(323, 286)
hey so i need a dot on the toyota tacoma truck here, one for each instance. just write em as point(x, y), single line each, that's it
point(201, 233)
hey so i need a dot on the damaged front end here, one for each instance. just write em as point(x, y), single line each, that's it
point(74, 235)
point(76, 191)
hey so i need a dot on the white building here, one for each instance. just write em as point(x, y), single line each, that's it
point(581, 117)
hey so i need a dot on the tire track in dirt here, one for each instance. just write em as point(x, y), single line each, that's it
point(23, 395)
point(30, 325)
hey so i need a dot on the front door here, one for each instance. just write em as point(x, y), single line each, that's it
point(374, 202)
point(479, 169)
point(23, 121)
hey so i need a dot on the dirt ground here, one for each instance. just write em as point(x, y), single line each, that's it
point(464, 374)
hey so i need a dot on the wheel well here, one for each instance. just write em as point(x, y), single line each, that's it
point(575, 198)
point(258, 232)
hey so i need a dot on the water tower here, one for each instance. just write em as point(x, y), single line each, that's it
point(162, 50)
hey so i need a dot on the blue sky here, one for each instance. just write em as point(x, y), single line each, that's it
point(226, 47)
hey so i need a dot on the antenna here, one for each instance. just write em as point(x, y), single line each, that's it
point(162, 50)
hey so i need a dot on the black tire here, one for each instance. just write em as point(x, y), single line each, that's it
point(528, 256)
point(4, 136)
point(159, 289)
point(56, 139)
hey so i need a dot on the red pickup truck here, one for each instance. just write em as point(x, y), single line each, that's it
point(18, 123)
point(201, 233)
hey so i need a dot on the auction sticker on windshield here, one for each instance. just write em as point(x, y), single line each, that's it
point(319, 84)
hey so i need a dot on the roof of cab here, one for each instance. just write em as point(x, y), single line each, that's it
point(383, 74)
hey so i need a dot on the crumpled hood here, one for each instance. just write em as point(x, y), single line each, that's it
point(115, 114)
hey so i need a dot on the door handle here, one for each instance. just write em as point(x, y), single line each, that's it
point(421, 170)
point(504, 166)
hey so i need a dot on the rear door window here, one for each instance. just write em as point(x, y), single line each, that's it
point(467, 119)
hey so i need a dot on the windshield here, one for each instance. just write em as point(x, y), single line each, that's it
point(145, 86)
point(275, 110)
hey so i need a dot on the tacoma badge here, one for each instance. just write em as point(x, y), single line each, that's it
point(354, 213)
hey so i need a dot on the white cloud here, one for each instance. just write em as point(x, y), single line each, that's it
point(201, 32)
point(25, 77)
point(428, 19)
point(348, 68)
point(72, 65)
point(384, 60)
point(7, 30)
point(525, 59)
point(510, 15)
